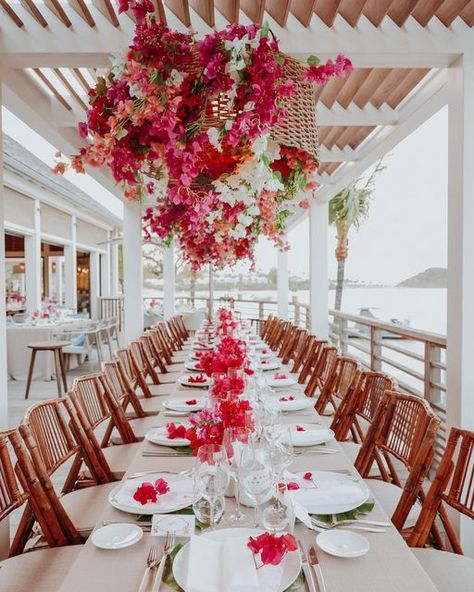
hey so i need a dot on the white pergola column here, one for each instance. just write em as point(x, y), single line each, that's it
point(105, 274)
point(94, 285)
point(318, 269)
point(70, 269)
point(33, 265)
point(460, 313)
point(132, 271)
point(282, 284)
point(4, 525)
point(168, 282)
point(114, 268)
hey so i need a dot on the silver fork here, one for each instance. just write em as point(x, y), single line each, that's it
point(317, 524)
point(333, 523)
point(151, 561)
point(168, 547)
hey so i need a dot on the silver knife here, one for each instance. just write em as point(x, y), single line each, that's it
point(314, 562)
point(308, 574)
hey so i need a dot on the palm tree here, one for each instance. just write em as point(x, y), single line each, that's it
point(350, 207)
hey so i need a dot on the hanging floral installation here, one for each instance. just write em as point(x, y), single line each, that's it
point(201, 130)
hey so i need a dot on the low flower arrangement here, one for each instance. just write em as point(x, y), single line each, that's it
point(229, 353)
point(185, 124)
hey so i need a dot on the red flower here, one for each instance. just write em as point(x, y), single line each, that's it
point(199, 379)
point(300, 428)
point(191, 402)
point(149, 492)
point(290, 398)
point(175, 431)
point(280, 376)
point(308, 476)
point(271, 547)
point(290, 486)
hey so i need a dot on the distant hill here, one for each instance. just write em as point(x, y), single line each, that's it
point(433, 277)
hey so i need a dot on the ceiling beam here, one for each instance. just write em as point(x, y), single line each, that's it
point(32, 106)
point(353, 116)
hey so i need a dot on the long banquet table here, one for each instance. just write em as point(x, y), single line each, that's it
point(389, 565)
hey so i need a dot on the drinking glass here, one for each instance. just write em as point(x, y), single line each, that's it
point(235, 440)
point(256, 474)
point(211, 476)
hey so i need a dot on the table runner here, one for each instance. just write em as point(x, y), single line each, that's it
point(389, 566)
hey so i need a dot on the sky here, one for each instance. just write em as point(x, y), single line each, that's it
point(407, 227)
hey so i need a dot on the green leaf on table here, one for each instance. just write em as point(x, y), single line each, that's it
point(362, 510)
point(296, 585)
point(168, 577)
point(313, 60)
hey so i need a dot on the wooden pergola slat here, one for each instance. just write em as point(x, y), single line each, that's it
point(330, 91)
point(52, 88)
point(400, 11)
point(372, 82)
point(352, 84)
point(327, 10)
point(406, 86)
point(160, 10)
point(350, 10)
point(332, 134)
point(31, 7)
point(11, 13)
point(449, 10)
point(253, 9)
point(229, 9)
point(180, 8)
point(388, 86)
point(278, 10)
point(376, 10)
point(106, 8)
point(80, 7)
point(69, 87)
point(353, 136)
point(425, 10)
point(467, 14)
point(303, 10)
point(80, 77)
point(55, 7)
point(205, 9)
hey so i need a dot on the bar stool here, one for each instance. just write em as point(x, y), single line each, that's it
point(56, 347)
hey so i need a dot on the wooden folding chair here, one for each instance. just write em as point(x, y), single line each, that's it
point(322, 370)
point(402, 433)
point(301, 351)
point(314, 351)
point(337, 388)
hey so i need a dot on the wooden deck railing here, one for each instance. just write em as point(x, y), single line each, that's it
point(415, 359)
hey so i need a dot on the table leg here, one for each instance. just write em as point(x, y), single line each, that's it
point(30, 373)
point(57, 367)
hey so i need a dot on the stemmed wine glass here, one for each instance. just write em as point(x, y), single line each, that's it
point(256, 474)
point(211, 480)
point(235, 440)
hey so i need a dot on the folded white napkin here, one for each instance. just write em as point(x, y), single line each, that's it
point(309, 436)
point(216, 566)
point(181, 492)
point(310, 496)
point(296, 404)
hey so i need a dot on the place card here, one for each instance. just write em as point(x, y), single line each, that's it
point(182, 525)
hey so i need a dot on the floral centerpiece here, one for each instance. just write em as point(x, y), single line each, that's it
point(229, 353)
point(187, 124)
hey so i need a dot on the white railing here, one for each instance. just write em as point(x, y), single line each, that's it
point(415, 359)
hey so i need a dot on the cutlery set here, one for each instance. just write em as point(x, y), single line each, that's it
point(152, 563)
point(311, 569)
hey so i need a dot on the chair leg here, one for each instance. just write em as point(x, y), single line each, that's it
point(109, 344)
point(30, 373)
point(57, 368)
point(63, 369)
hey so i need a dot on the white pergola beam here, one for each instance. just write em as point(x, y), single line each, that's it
point(353, 115)
point(337, 155)
point(29, 104)
point(368, 46)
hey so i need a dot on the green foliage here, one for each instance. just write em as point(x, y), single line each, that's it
point(351, 205)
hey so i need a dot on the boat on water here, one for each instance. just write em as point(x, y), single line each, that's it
point(367, 312)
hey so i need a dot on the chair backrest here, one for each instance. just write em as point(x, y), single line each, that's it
point(132, 371)
point(314, 351)
point(358, 410)
point(404, 428)
point(153, 351)
point(453, 485)
point(322, 370)
point(144, 365)
point(337, 387)
point(52, 438)
point(11, 496)
point(301, 350)
point(87, 393)
point(267, 327)
point(117, 379)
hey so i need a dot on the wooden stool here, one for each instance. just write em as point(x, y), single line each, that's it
point(57, 348)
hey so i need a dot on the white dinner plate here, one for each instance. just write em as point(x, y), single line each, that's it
point(116, 536)
point(311, 434)
point(281, 382)
point(181, 405)
point(180, 495)
point(291, 563)
point(267, 366)
point(160, 436)
point(187, 382)
point(297, 404)
point(329, 492)
point(192, 366)
point(265, 354)
point(202, 347)
point(343, 543)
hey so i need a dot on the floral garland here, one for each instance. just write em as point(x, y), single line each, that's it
point(216, 186)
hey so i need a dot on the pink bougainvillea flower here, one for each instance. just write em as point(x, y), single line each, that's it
point(272, 548)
